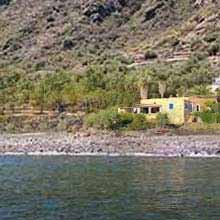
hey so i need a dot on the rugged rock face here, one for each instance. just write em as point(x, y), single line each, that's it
point(97, 11)
point(204, 2)
point(70, 33)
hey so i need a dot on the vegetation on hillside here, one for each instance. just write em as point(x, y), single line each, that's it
point(51, 35)
point(79, 55)
point(101, 87)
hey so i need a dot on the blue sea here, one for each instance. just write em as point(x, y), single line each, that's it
point(108, 188)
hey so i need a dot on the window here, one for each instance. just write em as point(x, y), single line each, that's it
point(171, 106)
point(188, 106)
point(145, 110)
point(155, 110)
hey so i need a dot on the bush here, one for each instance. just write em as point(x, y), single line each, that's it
point(217, 117)
point(10, 128)
point(150, 54)
point(162, 120)
point(207, 117)
point(104, 119)
point(211, 37)
point(210, 105)
point(90, 120)
point(215, 107)
point(139, 122)
point(126, 119)
point(213, 49)
point(112, 120)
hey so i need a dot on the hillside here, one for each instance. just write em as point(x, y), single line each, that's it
point(80, 56)
point(72, 34)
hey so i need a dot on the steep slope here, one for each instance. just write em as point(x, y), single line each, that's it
point(198, 34)
point(56, 34)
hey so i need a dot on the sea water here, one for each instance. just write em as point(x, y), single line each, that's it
point(108, 188)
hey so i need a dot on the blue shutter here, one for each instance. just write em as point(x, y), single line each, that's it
point(171, 106)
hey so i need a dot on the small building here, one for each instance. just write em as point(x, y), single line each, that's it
point(178, 109)
point(201, 102)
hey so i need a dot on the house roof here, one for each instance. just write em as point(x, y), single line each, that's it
point(147, 105)
point(143, 106)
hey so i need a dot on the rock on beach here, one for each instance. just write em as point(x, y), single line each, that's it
point(110, 143)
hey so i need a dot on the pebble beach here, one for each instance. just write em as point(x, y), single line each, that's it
point(111, 144)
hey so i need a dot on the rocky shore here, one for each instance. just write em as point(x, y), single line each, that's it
point(110, 143)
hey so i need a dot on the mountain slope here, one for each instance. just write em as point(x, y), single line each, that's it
point(55, 34)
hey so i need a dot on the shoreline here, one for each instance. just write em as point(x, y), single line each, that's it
point(107, 155)
point(139, 144)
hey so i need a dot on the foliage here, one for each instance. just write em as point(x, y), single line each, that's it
point(104, 119)
point(213, 107)
point(112, 120)
point(217, 118)
point(22, 124)
point(139, 122)
point(208, 117)
point(211, 115)
point(126, 119)
point(102, 86)
point(214, 49)
point(150, 54)
point(200, 90)
point(50, 77)
point(162, 120)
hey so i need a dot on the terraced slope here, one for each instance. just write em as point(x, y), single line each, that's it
point(56, 34)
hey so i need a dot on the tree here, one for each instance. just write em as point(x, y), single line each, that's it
point(202, 90)
point(144, 82)
point(162, 88)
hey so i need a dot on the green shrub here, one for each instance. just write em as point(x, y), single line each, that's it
point(10, 128)
point(139, 122)
point(90, 119)
point(112, 120)
point(150, 54)
point(214, 49)
point(213, 36)
point(217, 117)
point(104, 119)
point(162, 120)
point(207, 117)
point(126, 119)
point(210, 105)
point(216, 107)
